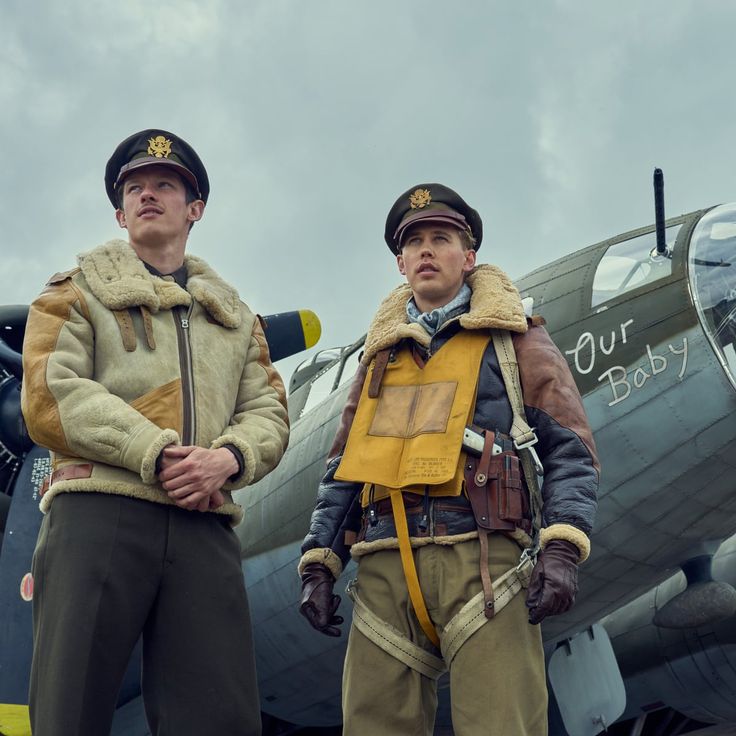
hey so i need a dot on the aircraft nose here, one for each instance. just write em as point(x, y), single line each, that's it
point(712, 273)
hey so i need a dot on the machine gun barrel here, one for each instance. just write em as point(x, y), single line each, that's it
point(659, 211)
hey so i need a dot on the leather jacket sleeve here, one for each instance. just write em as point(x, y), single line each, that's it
point(338, 502)
point(566, 448)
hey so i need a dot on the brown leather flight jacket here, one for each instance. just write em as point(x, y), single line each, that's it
point(552, 404)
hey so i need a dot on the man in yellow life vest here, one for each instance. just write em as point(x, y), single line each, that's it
point(431, 485)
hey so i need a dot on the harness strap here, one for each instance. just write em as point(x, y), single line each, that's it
point(461, 627)
point(485, 574)
point(410, 570)
point(127, 331)
point(391, 640)
point(504, 345)
point(472, 615)
point(480, 483)
point(521, 432)
point(379, 368)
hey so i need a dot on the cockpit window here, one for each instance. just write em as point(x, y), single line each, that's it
point(631, 264)
point(712, 266)
point(317, 377)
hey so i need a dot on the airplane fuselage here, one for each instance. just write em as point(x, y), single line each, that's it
point(641, 335)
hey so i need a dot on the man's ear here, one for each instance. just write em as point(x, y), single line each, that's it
point(120, 217)
point(196, 210)
point(400, 263)
point(469, 264)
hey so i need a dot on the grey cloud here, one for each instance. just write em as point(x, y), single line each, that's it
point(312, 117)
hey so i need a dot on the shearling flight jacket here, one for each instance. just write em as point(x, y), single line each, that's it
point(106, 375)
point(552, 405)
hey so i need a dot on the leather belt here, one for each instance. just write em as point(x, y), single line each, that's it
point(415, 505)
point(68, 472)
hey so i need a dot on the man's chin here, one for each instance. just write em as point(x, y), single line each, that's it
point(151, 237)
point(435, 299)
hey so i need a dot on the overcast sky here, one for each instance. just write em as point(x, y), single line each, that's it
point(312, 117)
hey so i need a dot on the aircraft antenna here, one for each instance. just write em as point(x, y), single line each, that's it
point(659, 211)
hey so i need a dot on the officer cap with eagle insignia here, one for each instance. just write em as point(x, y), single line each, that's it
point(430, 203)
point(155, 146)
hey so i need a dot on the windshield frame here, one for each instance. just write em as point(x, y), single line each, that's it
point(694, 270)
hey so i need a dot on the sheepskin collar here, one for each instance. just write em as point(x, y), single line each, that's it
point(119, 279)
point(495, 303)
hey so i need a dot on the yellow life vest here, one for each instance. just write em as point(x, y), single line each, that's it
point(410, 436)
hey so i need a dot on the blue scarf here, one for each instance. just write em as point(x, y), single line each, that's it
point(432, 321)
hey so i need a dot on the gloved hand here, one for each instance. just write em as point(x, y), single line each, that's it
point(319, 603)
point(554, 580)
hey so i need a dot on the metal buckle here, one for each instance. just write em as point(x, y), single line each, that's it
point(350, 588)
point(538, 467)
point(528, 555)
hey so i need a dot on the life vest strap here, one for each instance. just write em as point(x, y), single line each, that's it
point(410, 569)
point(379, 368)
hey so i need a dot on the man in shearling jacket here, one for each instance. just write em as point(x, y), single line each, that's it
point(437, 526)
point(150, 382)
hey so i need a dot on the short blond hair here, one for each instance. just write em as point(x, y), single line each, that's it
point(467, 239)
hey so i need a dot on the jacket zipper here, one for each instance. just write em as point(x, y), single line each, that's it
point(185, 366)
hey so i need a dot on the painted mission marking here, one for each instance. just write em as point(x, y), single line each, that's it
point(621, 384)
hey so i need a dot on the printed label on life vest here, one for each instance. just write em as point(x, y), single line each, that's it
point(429, 469)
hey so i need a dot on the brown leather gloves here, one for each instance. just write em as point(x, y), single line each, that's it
point(319, 603)
point(554, 581)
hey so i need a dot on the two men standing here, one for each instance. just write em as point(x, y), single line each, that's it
point(424, 488)
point(151, 383)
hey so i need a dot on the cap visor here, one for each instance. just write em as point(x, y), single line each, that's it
point(443, 218)
point(139, 163)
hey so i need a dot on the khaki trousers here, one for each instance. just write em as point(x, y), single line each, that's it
point(109, 568)
point(497, 679)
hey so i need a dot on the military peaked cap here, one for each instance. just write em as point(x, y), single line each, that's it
point(433, 203)
point(155, 146)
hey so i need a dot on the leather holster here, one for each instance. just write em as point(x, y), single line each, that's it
point(495, 489)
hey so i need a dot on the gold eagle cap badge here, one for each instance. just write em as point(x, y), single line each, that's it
point(160, 147)
point(420, 199)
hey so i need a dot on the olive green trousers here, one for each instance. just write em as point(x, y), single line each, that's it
point(109, 568)
point(497, 679)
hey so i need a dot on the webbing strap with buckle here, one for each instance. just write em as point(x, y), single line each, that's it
point(522, 434)
point(460, 628)
point(473, 615)
point(391, 640)
point(410, 570)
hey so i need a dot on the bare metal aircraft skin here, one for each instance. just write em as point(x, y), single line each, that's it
point(649, 338)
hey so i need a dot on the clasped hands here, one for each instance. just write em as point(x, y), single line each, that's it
point(193, 476)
